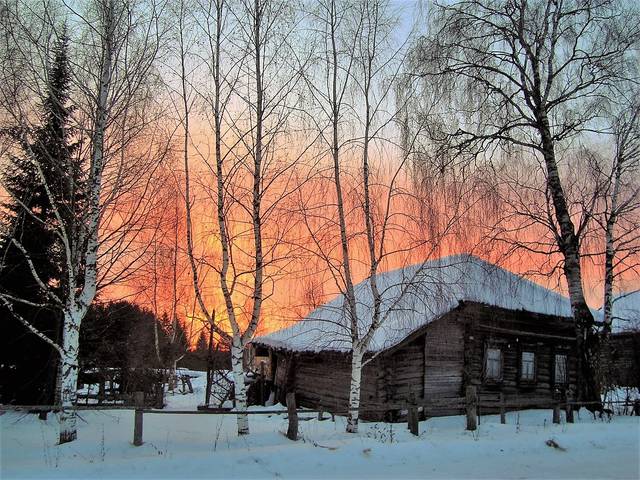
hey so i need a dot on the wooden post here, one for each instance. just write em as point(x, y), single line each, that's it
point(569, 412)
point(472, 406)
point(159, 403)
point(292, 431)
point(101, 392)
point(568, 408)
point(320, 413)
point(412, 420)
point(137, 426)
point(503, 416)
point(207, 390)
point(261, 383)
point(556, 412)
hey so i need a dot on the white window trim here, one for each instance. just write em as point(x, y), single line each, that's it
point(530, 375)
point(491, 374)
point(563, 378)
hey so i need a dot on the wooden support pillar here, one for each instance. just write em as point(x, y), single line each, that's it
point(412, 420)
point(556, 412)
point(503, 412)
point(137, 425)
point(472, 408)
point(292, 431)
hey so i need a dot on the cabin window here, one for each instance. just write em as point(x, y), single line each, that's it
point(528, 366)
point(561, 369)
point(493, 364)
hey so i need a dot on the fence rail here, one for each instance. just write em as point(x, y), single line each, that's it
point(472, 403)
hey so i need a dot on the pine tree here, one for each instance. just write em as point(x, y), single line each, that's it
point(202, 346)
point(42, 179)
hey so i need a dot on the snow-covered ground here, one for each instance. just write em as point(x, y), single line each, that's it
point(206, 446)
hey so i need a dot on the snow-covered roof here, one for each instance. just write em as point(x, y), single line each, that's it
point(626, 312)
point(413, 297)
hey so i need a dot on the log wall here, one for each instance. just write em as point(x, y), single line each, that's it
point(514, 332)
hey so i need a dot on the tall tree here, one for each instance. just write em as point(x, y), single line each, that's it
point(119, 45)
point(619, 218)
point(249, 107)
point(534, 74)
point(30, 219)
point(352, 212)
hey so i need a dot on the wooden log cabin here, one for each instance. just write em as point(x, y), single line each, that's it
point(461, 321)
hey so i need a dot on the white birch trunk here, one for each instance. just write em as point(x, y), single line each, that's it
point(354, 390)
point(240, 390)
point(69, 371)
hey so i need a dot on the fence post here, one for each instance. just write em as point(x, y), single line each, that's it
point(556, 412)
point(160, 396)
point(261, 384)
point(320, 413)
point(137, 426)
point(472, 406)
point(503, 416)
point(292, 431)
point(101, 392)
point(412, 420)
point(568, 409)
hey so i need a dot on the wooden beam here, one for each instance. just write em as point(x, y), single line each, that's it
point(524, 333)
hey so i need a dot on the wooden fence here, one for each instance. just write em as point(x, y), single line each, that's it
point(473, 406)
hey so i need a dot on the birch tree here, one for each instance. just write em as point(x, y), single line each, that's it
point(620, 216)
point(118, 46)
point(533, 74)
point(251, 84)
point(356, 227)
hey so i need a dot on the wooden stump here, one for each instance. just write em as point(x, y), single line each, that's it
point(292, 431)
point(472, 408)
point(137, 425)
point(503, 415)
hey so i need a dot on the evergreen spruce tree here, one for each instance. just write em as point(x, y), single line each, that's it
point(202, 346)
point(44, 184)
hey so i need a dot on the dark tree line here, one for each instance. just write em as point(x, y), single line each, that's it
point(121, 336)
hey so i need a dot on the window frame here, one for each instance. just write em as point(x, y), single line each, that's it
point(485, 372)
point(534, 375)
point(564, 355)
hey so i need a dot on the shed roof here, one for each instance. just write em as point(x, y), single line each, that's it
point(412, 297)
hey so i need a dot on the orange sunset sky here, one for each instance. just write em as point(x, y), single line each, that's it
point(298, 223)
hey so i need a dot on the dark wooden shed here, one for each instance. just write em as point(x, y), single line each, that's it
point(527, 356)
